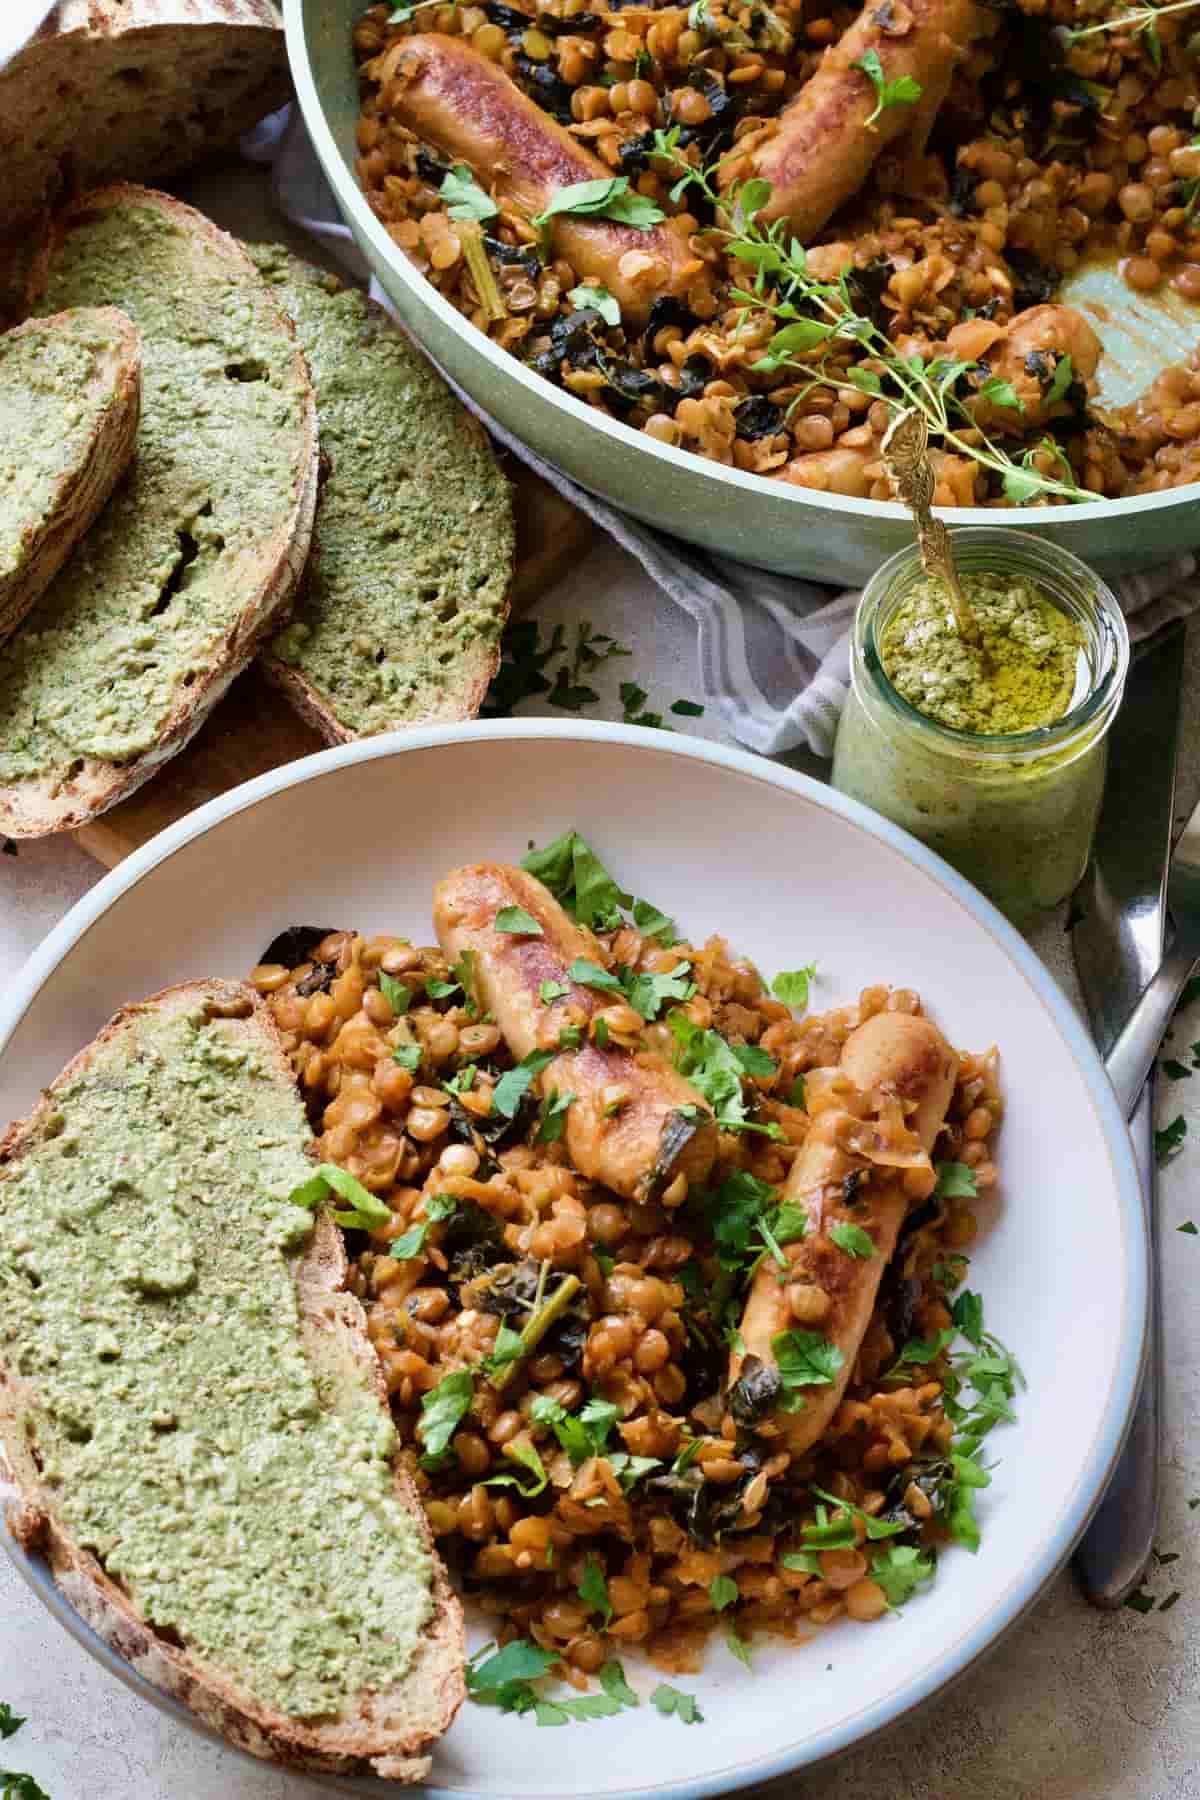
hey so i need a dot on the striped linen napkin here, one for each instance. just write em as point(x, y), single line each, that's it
point(773, 650)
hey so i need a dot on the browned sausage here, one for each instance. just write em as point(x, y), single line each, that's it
point(891, 1055)
point(655, 1135)
point(467, 107)
point(824, 149)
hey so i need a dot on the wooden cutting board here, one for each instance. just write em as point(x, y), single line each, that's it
point(254, 729)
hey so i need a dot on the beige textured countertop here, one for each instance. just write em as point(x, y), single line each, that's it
point(1074, 1705)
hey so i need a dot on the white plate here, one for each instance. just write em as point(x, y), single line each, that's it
point(791, 872)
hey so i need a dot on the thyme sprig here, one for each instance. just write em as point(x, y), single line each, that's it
point(1142, 22)
point(815, 316)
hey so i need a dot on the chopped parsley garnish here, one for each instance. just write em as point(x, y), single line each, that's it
point(900, 1570)
point(646, 993)
point(709, 1062)
point(412, 1243)
point(875, 1528)
point(722, 1592)
point(464, 197)
point(686, 1456)
point(20, 1787)
point(630, 1469)
point(590, 974)
point(600, 1034)
point(506, 1349)
point(967, 1313)
point(581, 1434)
point(796, 1094)
point(608, 197)
point(441, 990)
point(441, 1409)
point(1191, 991)
point(904, 91)
point(1168, 1603)
point(756, 1062)
point(955, 1181)
point(738, 1645)
point(550, 991)
point(805, 1562)
point(527, 1456)
point(612, 1680)
point(804, 1359)
point(1140, 1601)
point(1169, 1141)
point(518, 1661)
point(853, 1240)
point(573, 872)
point(368, 1211)
point(673, 1701)
point(408, 1056)
point(1175, 1071)
point(1188, 1228)
point(593, 1590)
point(514, 1084)
point(10, 1722)
point(687, 709)
point(792, 986)
point(398, 997)
point(518, 922)
point(554, 1117)
point(595, 298)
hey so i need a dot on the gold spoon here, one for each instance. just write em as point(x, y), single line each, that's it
point(905, 451)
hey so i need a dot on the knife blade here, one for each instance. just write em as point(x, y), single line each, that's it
point(1117, 939)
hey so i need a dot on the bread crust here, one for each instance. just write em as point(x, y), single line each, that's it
point(387, 1734)
point(37, 807)
point(83, 487)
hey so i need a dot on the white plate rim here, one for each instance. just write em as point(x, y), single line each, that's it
point(1053, 1551)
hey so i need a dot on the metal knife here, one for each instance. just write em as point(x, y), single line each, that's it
point(1118, 945)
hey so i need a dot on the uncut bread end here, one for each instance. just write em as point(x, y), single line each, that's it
point(252, 583)
point(407, 592)
point(386, 1733)
point(92, 459)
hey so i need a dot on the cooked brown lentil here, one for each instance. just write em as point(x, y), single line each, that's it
point(633, 1338)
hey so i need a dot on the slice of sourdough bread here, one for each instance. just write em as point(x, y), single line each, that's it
point(192, 1416)
point(400, 618)
point(70, 394)
point(195, 560)
point(133, 89)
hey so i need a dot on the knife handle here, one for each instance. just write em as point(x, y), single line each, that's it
point(1131, 1058)
point(1115, 1549)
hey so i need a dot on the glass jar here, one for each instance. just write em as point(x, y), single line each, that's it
point(1015, 813)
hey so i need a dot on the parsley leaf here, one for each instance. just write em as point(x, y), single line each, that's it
point(441, 990)
point(10, 1723)
point(709, 1062)
point(408, 1056)
point(518, 1661)
point(853, 1240)
point(738, 1645)
point(520, 923)
point(673, 1701)
point(753, 1060)
point(506, 1349)
point(732, 1211)
point(609, 197)
point(612, 1680)
point(1175, 1071)
point(573, 872)
point(630, 1469)
point(554, 1117)
point(593, 1589)
point(967, 1313)
point(412, 1242)
point(1189, 1228)
point(722, 1592)
point(1169, 1141)
point(441, 1409)
point(581, 1434)
point(369, 1212)
point(398, 997)
point(955, 1181)
point(596, 298)
point(514, 1084)
point(806, 1562)
point(900, 1570)
point(550, 991)
point(464, 197)
point(687, 709)
point(792, 986)
point(647, 993)
point(20, 1787)
point(804, 1359)
point(903, 92)
point(1001, 393)
point(590, 974)
point(1140, 1601)
point(527, 1456)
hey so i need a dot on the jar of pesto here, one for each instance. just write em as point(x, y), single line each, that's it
point(993, 755)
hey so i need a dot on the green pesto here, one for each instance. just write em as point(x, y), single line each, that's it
point(54, 393)
point(145, 606)
point(404, 605)
point(1020, 675)
point(147, 1291)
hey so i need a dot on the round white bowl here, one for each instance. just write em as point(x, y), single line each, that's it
point(827, 537)
point(791, 872)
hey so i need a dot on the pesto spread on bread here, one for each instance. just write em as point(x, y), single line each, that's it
point(149, 1243)
point(402, 610)
point(145, 610)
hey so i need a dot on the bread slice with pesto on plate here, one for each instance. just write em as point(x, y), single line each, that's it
point(400, 618)
point(193, 1419)
point(195, 559)
point(70, 393)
